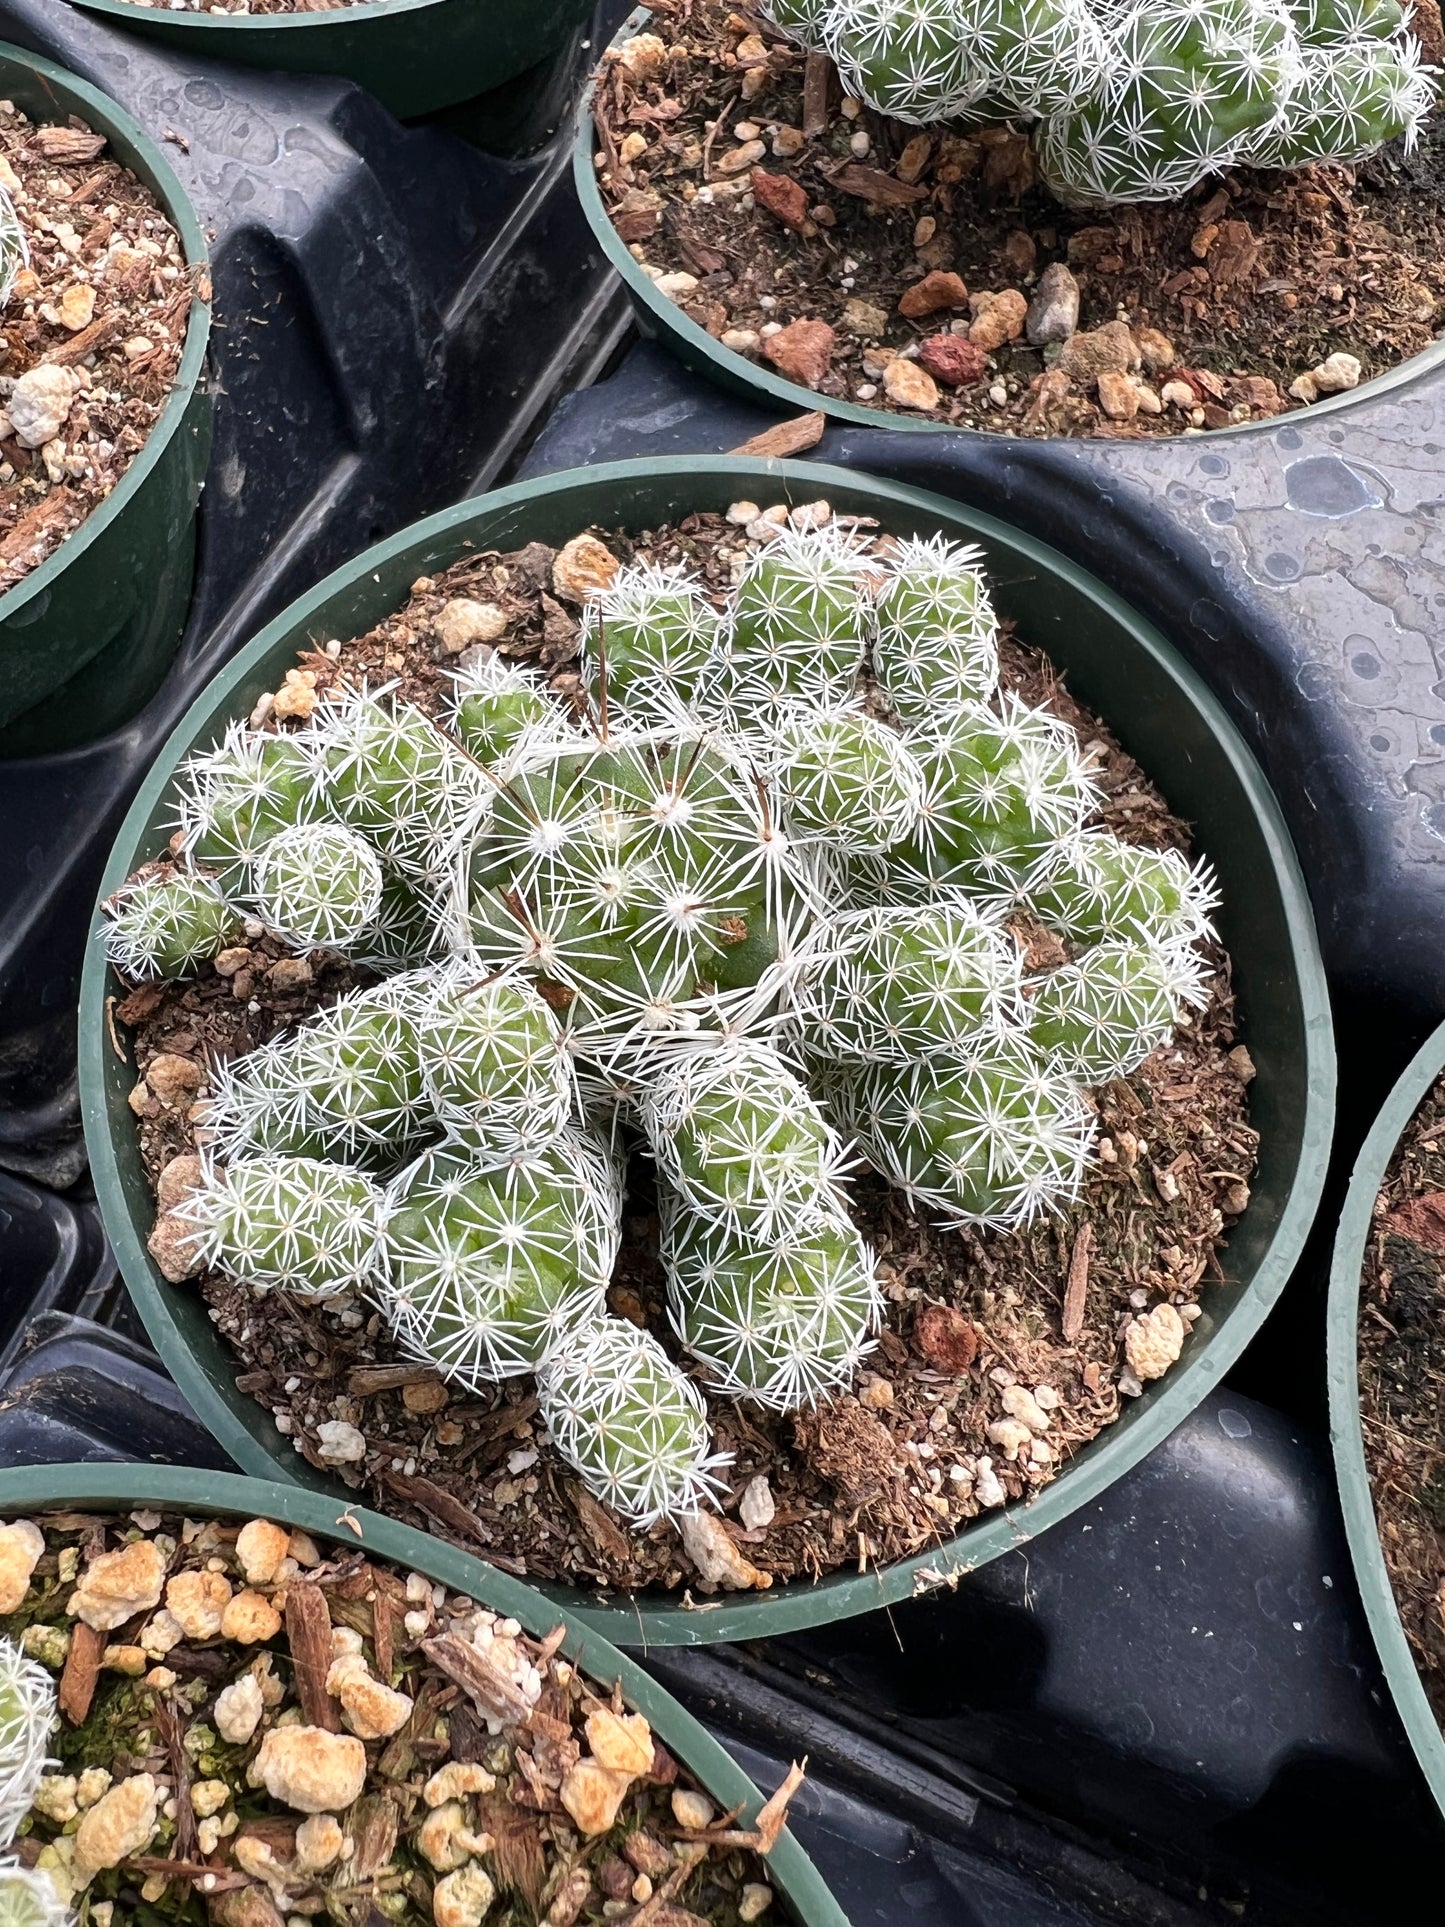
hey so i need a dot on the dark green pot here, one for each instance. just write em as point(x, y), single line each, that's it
point(758, 381)
point(87, 637)
point(1346, 1436)
point(415, 55)
point(123, 1488)
point(1116, 663)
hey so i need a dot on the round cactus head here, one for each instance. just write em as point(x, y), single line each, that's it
point(846, 779)
point(1105, 888)
point(1350, 99)
point(905, 56)
point(737, 1135)
point(650, 636)
point(236, 797)
point(994, 1141)
point(497, 707)
point(1100, 1017)
point(797, 627)
point(390, 773)
point(936, 643)
point(291, 1224)
point(489, 1266)
point(783, 1324)
point(318, 884)
point(166, 925)
point(803, 20)
point(494, 1066)
point(1004, 793)
point(895, 983)
point(411, 927)
point(28, 1898)
point(27, 1721)
point(634, 1426)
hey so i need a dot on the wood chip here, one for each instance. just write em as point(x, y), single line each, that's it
point(68, 144)
point(786, 438)
point(308, 1632)
point(600, 1523)
point(449, 1512)
point(516, 1850)
point(1076, 1290)
point(365, 1381)
point(49, 513)
point(873, 185)
point(817, 78)
point(491, 1692)
point(86, 342)
point(82, 1669)
point(1422, 1220)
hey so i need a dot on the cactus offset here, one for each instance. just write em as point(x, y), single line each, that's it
point(29, 1898)
point(28, 1719)
point(166, 925)
point(295, 1224)
point(1100, 1017)
point(318, 884)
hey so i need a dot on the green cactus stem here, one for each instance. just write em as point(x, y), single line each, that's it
point(495, 1068)
point(238, 796)
point(654, 635)
point(318, 885)
point(29, 1899)
point(846, 779)
point(1104, 888)
point(936, 642)
point(165, 925)
point(28, 1719)
point(301, 1225)
point(1100, 1017)
point(496, 708)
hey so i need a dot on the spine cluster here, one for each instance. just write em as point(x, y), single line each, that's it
point(28, 1718)
point(751, 904)
point(1136, 102)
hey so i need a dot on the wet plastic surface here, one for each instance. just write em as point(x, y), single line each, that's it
point(395, 309)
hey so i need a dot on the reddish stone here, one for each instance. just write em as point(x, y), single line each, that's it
point(944, 1338)
point(953, 359)
point(781, 196)
point(936, 290)
point(803, 351)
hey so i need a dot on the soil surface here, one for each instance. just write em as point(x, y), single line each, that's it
point(1402, 1384)
point(442, 1740)
point(93, 332)
point(902, 270)
point(889, 1470)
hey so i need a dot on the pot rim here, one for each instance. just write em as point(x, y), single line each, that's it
point(724, 367)
point(28, 1489)
point(1115, 1451)
point(267, 22)
point(107, 115)
point(1346, 1431)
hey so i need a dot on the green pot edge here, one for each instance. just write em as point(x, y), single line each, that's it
point(103, 112)
point(1346, 1435)
point(123, 11)
point(695, 347)
point(841, 1595)
point(34, 1488)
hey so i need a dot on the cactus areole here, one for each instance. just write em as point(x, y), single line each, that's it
point(671, 955)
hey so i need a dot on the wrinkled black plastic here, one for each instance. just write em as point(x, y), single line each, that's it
point(395, 308)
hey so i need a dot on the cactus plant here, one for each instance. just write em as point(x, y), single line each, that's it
point(295, 1224)
point(29, 1898)
point(634, 1426)
point(14, 248)
point(750, 901)
point(28, 1718)
point(1136, 102)
point(165, 925)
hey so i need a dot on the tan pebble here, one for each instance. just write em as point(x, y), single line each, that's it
point(455, 1780)
point(463, 1899)
point(438, 1837)
point(238, 1709)
point(909, 386)
point(208, 1797)
point(140, 1100)
point(1096, 351)
point(1011, 1435)
point(742, 341)
point(748, 155)
point(372, 1710)
point(118, 1585)
point(77, 306)
point(290, 973)
point(119, 1826)
point(424, 1399)
point(260, 1547)
point(622, 1742)
point(692, 1811)
point(592, 1794)
point(1156, 350)
point(462, 622)
point(741, 513)
point(754, 1901)
point(1153, 1343)
point(174, 1080)
point(643, 55)
point(1118, 396)
point(130, 1660)
point(319, 1841)
point(1336, 373)
point(633, 147)
point(1177, 394)
point(756, 1507)
point(719, 1560)
point(583, 568)
point(177, 1180)
point(1019, 1402)
point(787, 141)
point(1000, 320)
point(197, 1601)
point(296, 698)
point(310, 1770)
point(228, 962)
point(250, 1619)
point(21, 1545)
point(876, 1395)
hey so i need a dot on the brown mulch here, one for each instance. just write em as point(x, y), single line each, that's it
point(1402, 1384)
point(1248, 282)
point(520, 1734)
point(107, 298)
point(881, 1473)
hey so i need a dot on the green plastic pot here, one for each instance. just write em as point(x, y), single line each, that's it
point(704, 355)
point(1164, 715)
point(124, 1488)
point(1346, 1435)
point(87, 637)
point(415, 55)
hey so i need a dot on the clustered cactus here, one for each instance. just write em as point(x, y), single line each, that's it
point(14, 247)
point(28, 1718)
point(1136, 102)
point(751, 903)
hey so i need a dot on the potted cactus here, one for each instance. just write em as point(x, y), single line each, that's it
point(641, 963)
point(416, 56)
point(220, 1701)
point(104, 312)
point(1384, 1313)
point(1053, 217)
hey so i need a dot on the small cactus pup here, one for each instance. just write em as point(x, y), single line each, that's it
point(289, 1224)
point(630, 1423)
point(738, 1136)
point(495, 1069)
point(650, 637)
point(236, 797)
point(781, 1324)
point(935, 644)
point(496, 707)
point(1361, 83)
point(1104, 888)
point(846, 779)
point(28, 1719)
point(14, 247)
point(1101, 1016)
point(318, 884)
point(163, 926)
point(491, 1266)
point(28, 1898)
point(797, 629)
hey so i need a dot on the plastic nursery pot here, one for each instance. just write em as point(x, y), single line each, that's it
point(414, 55)
point(1346, 1435)
point(122, 1488)
point(88, 636)
point(704, 355)
point(1116, 664)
